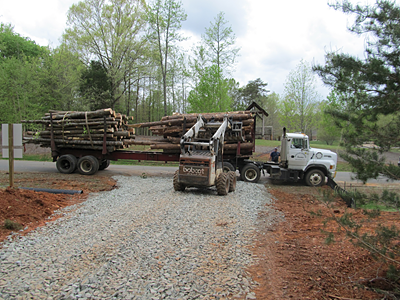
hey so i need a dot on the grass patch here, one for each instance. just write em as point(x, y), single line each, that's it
point(343, 166)
point(375, 206)
point(12, 225)
point(34, 157)
point(268, 143)
point(322, 145)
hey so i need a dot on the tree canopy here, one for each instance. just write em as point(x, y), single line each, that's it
point(110, 32)
point(219, 41)
point(14, 45)
point(299, 105)
point(369, 90)
point(370, 87)
point(209, 97)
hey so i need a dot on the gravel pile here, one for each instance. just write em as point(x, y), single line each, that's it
point(142, 240)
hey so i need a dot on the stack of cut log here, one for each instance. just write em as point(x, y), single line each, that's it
point(83, 130)
point(171, 128)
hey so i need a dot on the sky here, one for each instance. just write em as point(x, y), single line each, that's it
point(273, 36)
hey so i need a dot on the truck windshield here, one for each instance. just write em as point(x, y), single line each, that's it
point(299, 143)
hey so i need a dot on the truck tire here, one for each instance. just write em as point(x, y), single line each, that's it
point(250, 173)
point(228, 167)
point(232, 184)
point(179, 187)
point(104, 164)
point(315, 177)
point(66, 164)
point(223, 184)
point(88, 165)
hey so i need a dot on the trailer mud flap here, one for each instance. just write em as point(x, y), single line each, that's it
point(341, 192)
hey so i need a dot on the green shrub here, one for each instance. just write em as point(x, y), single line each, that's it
point(11, 225)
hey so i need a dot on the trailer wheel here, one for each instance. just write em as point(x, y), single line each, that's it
point(250, 173)
point(228, 167)
point(66, 164)
point(104, 164)
point(232, 184)
point(88, 165)
point(315, 178)
point(223, 184)
point(179, 187)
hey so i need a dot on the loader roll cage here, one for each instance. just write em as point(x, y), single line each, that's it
point(198, 141)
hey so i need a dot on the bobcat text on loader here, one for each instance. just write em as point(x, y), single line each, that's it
point(201, 159)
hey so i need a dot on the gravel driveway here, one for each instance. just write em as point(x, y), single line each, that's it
point(142, 240)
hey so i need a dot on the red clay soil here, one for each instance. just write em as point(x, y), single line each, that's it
point(294, 262)
point(32, 209)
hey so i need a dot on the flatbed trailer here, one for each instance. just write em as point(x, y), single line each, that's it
point(121, 154)
point(88, 162)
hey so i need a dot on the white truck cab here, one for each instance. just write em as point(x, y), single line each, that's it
point(298, 161)
point(313, 164)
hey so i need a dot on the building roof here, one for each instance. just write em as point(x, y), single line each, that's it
point(258, 107)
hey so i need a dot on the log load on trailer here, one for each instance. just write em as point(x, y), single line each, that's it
point(88, 141)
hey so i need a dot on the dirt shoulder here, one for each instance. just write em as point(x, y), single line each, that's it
point(32, 209)
point(294, 262)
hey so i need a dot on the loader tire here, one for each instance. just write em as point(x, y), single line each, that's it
point(179, 187)
point(223, 184)
point(232, 184)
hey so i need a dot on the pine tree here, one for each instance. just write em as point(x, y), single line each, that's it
point(370, 94)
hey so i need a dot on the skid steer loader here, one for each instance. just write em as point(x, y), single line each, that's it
point(201, 158)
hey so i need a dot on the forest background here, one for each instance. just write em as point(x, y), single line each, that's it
point(128, 55)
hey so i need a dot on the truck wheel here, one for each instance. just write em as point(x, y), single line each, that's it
point(223, 184)
point(66, 164)
point(104, 164)
point(232, 184)
point(88, 165)
point(250, 173)
point(315, 178)
point(179, 187)
point(228, 167)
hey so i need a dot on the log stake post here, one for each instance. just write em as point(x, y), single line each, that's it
point(11, 154)
point(54, 152)
point(237, 152)
point(104, 137)
point(184, 125)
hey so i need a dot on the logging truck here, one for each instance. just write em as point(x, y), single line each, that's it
point(88, 141)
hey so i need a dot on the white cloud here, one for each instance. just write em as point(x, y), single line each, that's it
point(41, 20)
point(281, 33)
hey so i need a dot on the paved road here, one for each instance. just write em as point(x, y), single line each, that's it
point(50, 167)
point(112, 170)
